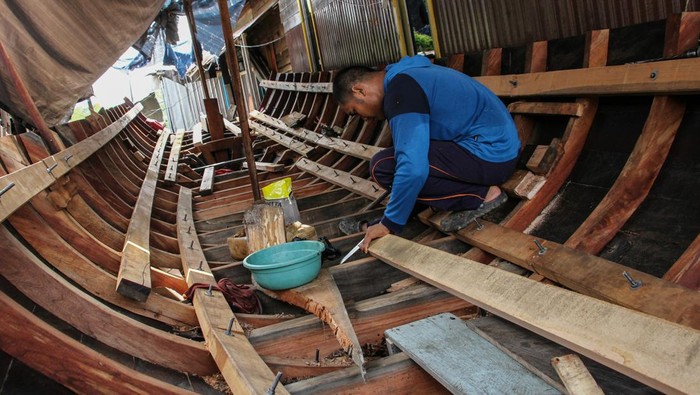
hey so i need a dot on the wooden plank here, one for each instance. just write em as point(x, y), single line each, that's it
point(596, 48)
point(686, 270)
point(239, 363)
point(44, 286)
point(676, 77)
point(546, 108)
point(297, 146)
point(361, 151)
point(174, 158)
point(654, 351)
point(576, 377)
point(207, 185)
point(491, 61)
point(322, 298)
point(67, 361)
point(313, 87)
point(22, 185)
point(588, 274)
point(463, 361)
point(352, 183)
point(134, 278)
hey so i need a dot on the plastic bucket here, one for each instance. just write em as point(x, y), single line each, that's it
point(287, 265)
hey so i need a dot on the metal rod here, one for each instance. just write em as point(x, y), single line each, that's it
point(634, 284)
point(271, 390)
point(67, 158)
point(479, 225)
point(232, 60)
point(542, 249)
point(30, 106)
point(50, 169)
point(209, 290)
point(7, 188)
point(230, 325)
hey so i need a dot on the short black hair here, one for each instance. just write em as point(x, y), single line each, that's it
point(345, 79)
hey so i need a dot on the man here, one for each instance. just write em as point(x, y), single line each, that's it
point(454, 140)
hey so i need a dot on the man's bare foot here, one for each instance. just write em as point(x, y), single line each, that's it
point(493, 193)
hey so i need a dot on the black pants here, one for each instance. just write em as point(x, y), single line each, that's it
point(458, 180)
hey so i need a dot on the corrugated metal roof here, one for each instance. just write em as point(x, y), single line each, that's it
point(472, 25)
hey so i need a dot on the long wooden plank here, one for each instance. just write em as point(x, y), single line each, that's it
point(174, 158)
point(134, 278)
point(44, 286)
point(242, 368)
point(361, 151)
point(207, 185)
point(671, 77)
point(657, 352)
point(463, 361)
point(588, 274)
point(67, 361)
point(355, 184)
point(546, 108)
point(313, 87)
point(322, 298)
point(297, 146)
point(22, 185)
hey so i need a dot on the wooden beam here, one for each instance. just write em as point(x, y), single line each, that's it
point(686, 270)
point(67, 361)
point(207, 185)
point(676, 77)
point(134, 278)
point(491, 61)
point(587, 273)
point(44, 286)
point(313, 87)
point(355, 184)
point(546, 108)
point(242, 367)
point(635, 180)
point(361, 151)
point(297, 146)
point(174, 158)
point(22, 185)
point(652, 350)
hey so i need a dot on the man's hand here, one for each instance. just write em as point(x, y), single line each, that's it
point(373, 232)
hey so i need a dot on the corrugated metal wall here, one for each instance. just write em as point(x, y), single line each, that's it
point(472, 25)
point(355, 32)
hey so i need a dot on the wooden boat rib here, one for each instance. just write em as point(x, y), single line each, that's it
point(70, 216)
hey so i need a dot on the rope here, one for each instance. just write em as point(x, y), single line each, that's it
point(241, 298)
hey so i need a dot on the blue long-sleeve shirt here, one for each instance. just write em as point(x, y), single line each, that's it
point(424, 102)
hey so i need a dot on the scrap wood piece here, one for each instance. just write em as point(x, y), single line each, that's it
point(322, 298)
point(207, 185)
point(588, 274)
point(341, 178)
point(523, 184)
point(293, 119)
point(461, 360)
point(264, 226)
point(545, 156)
point(134, 278)
point(654, 351)
point(575, 376)
point(242, 367)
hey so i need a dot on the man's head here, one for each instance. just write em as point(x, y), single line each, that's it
point(359, 90)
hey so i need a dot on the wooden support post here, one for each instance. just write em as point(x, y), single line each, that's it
point(232, 61)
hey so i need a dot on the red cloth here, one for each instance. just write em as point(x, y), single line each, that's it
point(241, 298)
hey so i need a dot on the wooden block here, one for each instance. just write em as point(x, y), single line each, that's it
point(575, 376)
point(544, 157)
point(264, 226)
point(463, 361)
point(238, 247)
point(207, 185)
point(293, 119)
point(523, 184)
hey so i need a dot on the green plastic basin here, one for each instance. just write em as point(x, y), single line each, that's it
point(287, 265)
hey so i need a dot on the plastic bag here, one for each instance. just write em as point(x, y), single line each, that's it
point(278, 190)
